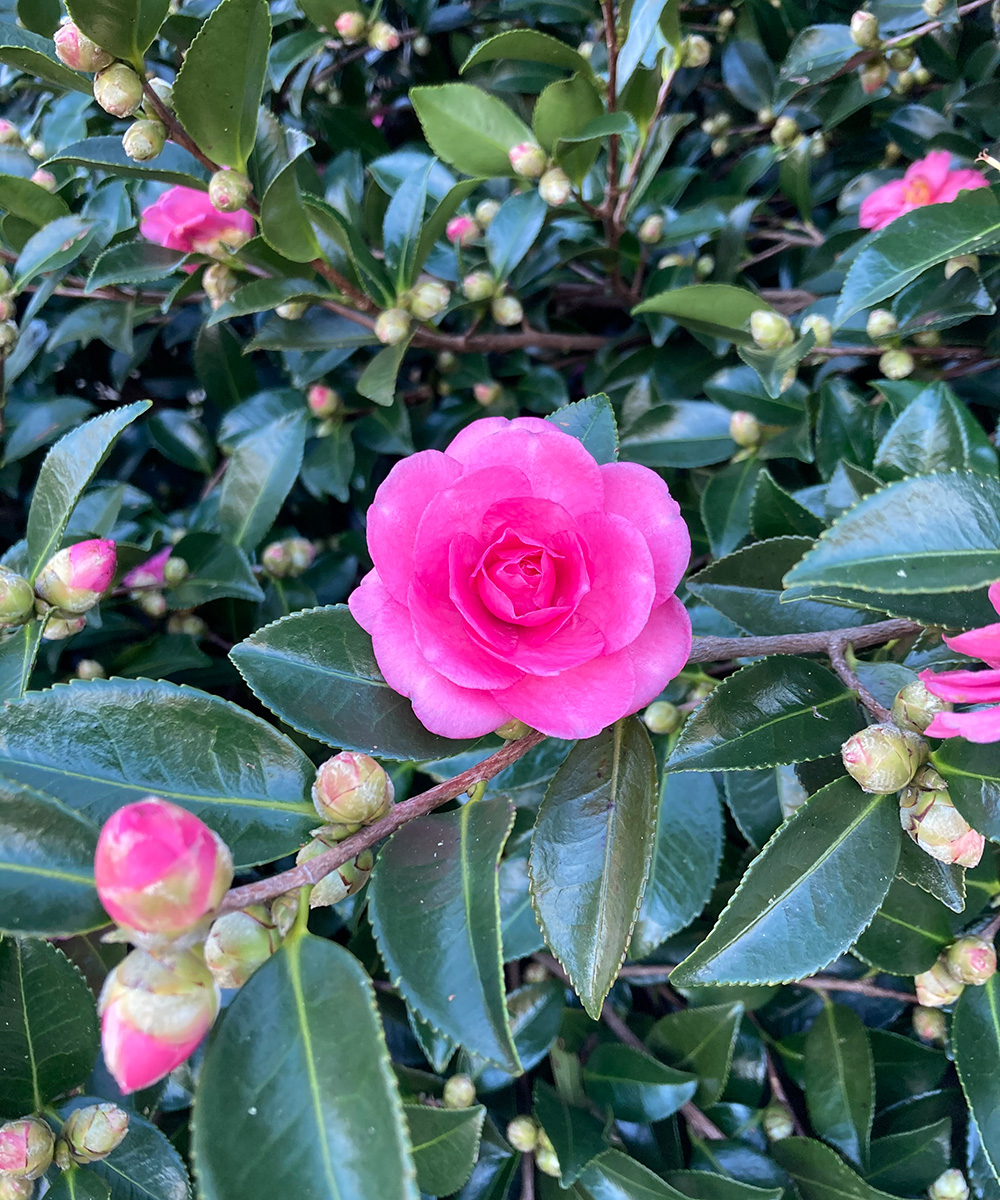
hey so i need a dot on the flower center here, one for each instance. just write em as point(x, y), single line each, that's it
point(917, 191)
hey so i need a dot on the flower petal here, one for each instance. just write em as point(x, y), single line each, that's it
point(882, 206)
point(981, 643)
point(577, 703)
point(963, 687)
point(981, 726)
point(641, 497)
point(622, 583)
point(659, 653)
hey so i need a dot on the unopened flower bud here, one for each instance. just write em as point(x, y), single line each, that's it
point(44, 179)
point(929, 817)
point(89, 668)
point(351, 787)
point(661, 717)
point(118, 90)
point(864, 30)
point(880, 324)
point(486, 210)
point(937, 987)
point(421, 45)
point(17, 599)
point(896, 364)
point(153, 604)
point(819, 326)
point(507, 310)
point(392, 326)
point(154, 1012)
point(12, 1188)
point(26, 1148)
point(927, 337)
point(238, 943)
point(695, 51)
point(144, 139)
point(220, 283)
point(159, 869)
point(972, 960)
point(778, 1123)
point(76, 50)
point(9, 135)
point(7, 308)
point(91, 1133)
point(784, 132)
point(229, 191)
point(343, 881)
point(726, 19)
point(961, 262)
point(901, 58)
point(284, 910)
point(513, 729)
point(429, 299)
point(163, 91)
point(522, 1133)
point(745, 429)
point(462, 231)
point(292, 310)
point(8, 338)
point(486, 393)
point(57, 629)
point(478, 285)
point(554, 187)
point(74, 579)
point(527, 159)
point(915, 707)
point(951, 1184)
point(383, 36)
point(882, 758)
point(934, 8)
point(175, 571)
point(459, 1092)
point(719, 147)
point(351, 26)
point(301, 554)
point(704, 265)
point(535, 972)
point(930, 1025)
point(323, 401)
point(651, 230)
point(276, 560)
point(873, 75)
point(770, 330)
point(547, 1162)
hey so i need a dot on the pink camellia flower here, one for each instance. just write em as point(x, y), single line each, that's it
point(462, 231)
point(159, 869)
point(150, 572)
point(185, 219)
point(970, 687)
point(154, 1012)
point(516, 578)
point(74, 579)
point(930, 180)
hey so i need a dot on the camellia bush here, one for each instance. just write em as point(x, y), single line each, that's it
point(499, 645)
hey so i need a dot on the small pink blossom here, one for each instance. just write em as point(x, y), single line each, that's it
point(185, 219)
point(74, 579)
point(930, 180)
point(462, 231)
point(970, 687)
point(150, 572)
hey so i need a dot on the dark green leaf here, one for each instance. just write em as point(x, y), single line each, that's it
point(910, 1161)
point(469, 128)
point(513, 231)
point(125, 28)
point(973, 777)
point(935, 432)
point(687, 433)
point(907, 933)
point(494, 1170)
point(284, 217)
point(725, 505)
point(820, 1173)
point(133, 262)
point(615, 1176)
point(378, 380)
point(30, 201)
point(17, 659)
point(943, 881)
point(975, 1042)
point(445, 1145)
point(527, 45)
point(172, 165)
point(402, 222)
point(260, 475)
point(634, 1085)
point(773, 512)
point(700, 1040)
point(840, 1081)
point(592, 422)
point(33, 54)
point(216, 570)
point(576, 1136)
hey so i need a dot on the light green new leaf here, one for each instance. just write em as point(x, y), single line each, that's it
point(469, 128)
point(715, 309)
point(840, 1081)
point(260, 475)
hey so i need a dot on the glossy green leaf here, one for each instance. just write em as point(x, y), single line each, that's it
point(715, 309)
point(261, 295)
point(220, 83)
point(843, 843)
point(910, 1161)
point(402, 223)
point(445, 1145)
point(935, 432)
point(96, 746)
point(17, 659)
point(591, 853)
point(125, 28)
point(975, 1043)
point(615, 1176)
point(700, 1040)
point(469, 128)
point(526, 45)
point(840, 1081)
point(685, 861)
point(513, 231)
point(378, 380)
point(973, 776)
point(435, 883)
point(133, 262)
point(754, 799)
point(535, 1011)
point(260, 475)
point(316, 670)
point(725, 505)
point(705, 1185)
point(907, 933)
point(216, 570)
point(686, 433)
point(820, 1173)
point(79, 1183)
point(173, 164)
point(943, 881)
point(48, 1026)
point(904, 1067)
point(778, 710)
point(592, 422)
point(30, 201)
point(284, 217)
point(635, 1086)
point(322, 1065)
point(577, 1137)
point(33, 54)
point(565, 110)
point(46, 866)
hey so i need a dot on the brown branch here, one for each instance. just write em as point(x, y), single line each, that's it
point(838, 660)
point(719, 649)
point(823, 983)
point(417, 806)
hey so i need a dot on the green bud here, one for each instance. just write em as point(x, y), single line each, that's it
point(880, 324)
point(527, 159)
point(478, 285)
point(343, 881)
point(276, 560)
point(651, 230)
point(421, 46)
point(175, 571)
point(770, 330)
point(486, 210)
point(719, 147)
point(522, 1133)
point(144, 139)
point(900, 58)
point(301, 555)
point(915, 707)
point(873, 75)
point(459, 1092)
point(555, 187)
point(937, 987)
point(726, 19)
point(284, 910)
point(765, 117)
point(507, 310)
point(229, 191)
point(547, 1162)
point(951, 1184)
point(927, 337)
point(292, 310)
point(661, 717)
point(818, 145)
point(864, 30)
point(219, 283)
point(696, 51)
point(429, 299)
point(896, 364)
point(91, 1133)
point(929, 1024)
point(784, 132)
point(153, 604)
point(8, 338)
point(513, 729)
point(882, 758)
point(922, 76)
point(745, 429)
point(534, 972)
point(15, 1189)
point(819, 326)
point(972, 960)
point(238, 943)
point(934, 8)
point(352, 787)
point(57, 629)
point(704, 265)
point(118, 90)
point(17, 599)
point(90, 668)
point(392, 326)
point(778, 1123)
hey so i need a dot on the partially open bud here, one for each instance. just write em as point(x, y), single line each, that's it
point(238, 943)
point(784, 132)
point(351, 26)
point(819, 326)
point(873, 75)
point(554, 187)
point(323, 401)
point(352, 788)
point(462, 231)
point(745, 429)
point(154, 1012)
point(882, 758)
point(486, 393)
point(44, 179)
point(928, 816)
point(459, 1092)
point(9, 135)
point(937, 987)
point(951, 1184)
point(91, 1133)
point(651, 230)
point(229, 191)
point(961, 262)
point(12, 1188)
point(118, 90)
point(392, 326)
point(880, 324)
point(8, 338)
point(770, 330)
point(929, 1024)
point(159, 869)
point(864, 30)
point(972, 960)
point(661, 717)
point(527, 159)
point(76, 50)
point(220, 283)
point(695, 51)
point(292, 310)
point(89, 668)
point(778, 1123)
point(486, 210)
point(17, 599)
point(26, 1148)
point(74, 579)
point(507, 310)
point(915, 707)
point(513, 729)
point(57, 629)
point(343, 881)
point(896, 364)
point(276, 560)
point(429, 299)
point(522, 1133)
point(144, 139)
point(383, 36)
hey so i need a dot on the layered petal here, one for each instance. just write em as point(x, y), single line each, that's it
point(981, 643)
point(928, 173)
point(963, 687)
point(959, 181)
point(882, 206)
point(623, 584)
point(981, 726)
point(577, 703)
point(641, 496)
point(659, 653)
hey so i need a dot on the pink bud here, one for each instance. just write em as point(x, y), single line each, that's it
point(351, 26)
point(75, 579)
point(462, 231)
point(486, 393)
point(352, 788)
point(76, 50)
point(383, 36)
point(159, 869)
point(150, 572)
point(154, 1012)
point(26, 1148)
point(527, 159)
point(323, 401)
point(44, 179)
point(9, 135)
